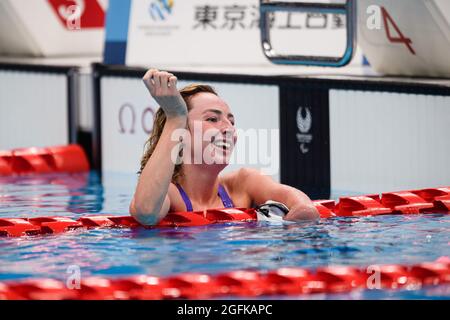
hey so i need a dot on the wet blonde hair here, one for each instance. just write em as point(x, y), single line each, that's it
point(160, 120)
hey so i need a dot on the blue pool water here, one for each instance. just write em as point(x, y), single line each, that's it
point(212, 249)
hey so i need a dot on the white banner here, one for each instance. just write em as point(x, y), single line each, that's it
point(413, 34)
point(224, 32)
point(33, 110)
point(127, 117)
point(382, 141)
point(52, 27)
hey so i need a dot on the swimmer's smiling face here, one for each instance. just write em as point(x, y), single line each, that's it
point(211, 117)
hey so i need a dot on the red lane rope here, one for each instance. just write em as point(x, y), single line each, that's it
point(70, 158)
point(431, 200)
point(241, 283)
point(404, 202)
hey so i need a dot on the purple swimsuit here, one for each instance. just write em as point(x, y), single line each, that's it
point(226, 200)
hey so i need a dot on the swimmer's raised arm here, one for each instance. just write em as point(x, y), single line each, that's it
point(261, 188)
point(151, 201)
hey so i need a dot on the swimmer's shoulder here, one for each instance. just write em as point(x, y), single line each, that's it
point(235, 183)
point(235, 180)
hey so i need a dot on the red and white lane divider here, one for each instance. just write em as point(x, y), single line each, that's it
point(70, 158)
point(432, 200)
point(290, 281)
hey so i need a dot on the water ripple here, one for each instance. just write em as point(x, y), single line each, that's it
point(216, 248)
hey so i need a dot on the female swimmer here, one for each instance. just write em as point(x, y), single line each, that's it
point(177, 175)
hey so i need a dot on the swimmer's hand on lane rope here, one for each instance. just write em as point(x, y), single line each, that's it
point(163, 88)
